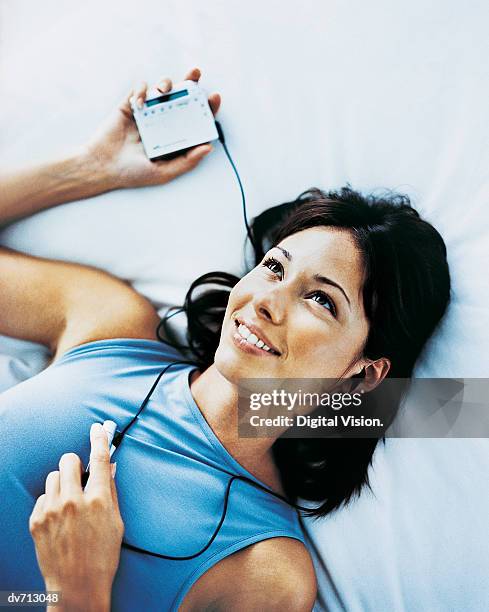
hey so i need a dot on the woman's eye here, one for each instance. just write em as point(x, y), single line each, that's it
point(318, 296)
point(273, 265)
point(324, 300)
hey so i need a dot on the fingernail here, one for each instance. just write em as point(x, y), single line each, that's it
point(96, 427)
point(95, 430)
point(140, 103)
point(113, 469)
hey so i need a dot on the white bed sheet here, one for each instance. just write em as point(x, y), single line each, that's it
point(380, 94)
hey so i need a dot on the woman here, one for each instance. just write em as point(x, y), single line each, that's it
point(349, 287)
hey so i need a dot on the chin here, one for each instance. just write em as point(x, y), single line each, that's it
point(235, 365)
point(227, 363)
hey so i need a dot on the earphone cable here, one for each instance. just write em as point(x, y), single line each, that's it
point(117, 441)
point(233, 477)
point(222, 140)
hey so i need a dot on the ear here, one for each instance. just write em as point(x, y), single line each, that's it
point(375, 372)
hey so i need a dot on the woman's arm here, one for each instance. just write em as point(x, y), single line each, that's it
point(61, 304)
point(78, 533)
point(30, 190)
point(113, 159)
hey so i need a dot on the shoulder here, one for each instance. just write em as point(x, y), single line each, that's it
point(102, 307)
point(274, 574)
point(282, 569)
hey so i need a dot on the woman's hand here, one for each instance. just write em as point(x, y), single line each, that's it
point(115, 158)
point(117, 147)
point(78, 533)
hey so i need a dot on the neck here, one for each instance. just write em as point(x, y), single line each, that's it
point(217, 399)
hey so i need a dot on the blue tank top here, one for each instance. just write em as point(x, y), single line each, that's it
point(172, 470)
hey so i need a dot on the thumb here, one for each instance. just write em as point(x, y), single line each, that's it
point(199, 152)
point(186, 162)
point(183, 163)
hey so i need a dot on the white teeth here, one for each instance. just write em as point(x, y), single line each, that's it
point(252, 339)
point(245, 333)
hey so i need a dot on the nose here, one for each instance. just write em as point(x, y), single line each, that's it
point(270, 305)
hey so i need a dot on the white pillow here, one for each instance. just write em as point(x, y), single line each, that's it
point(379, 94)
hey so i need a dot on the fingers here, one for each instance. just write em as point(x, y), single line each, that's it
point(37, 510)
point(183, 163)
point(193, 75)
point(164, 85)
point(214, 102)
point(100, 471)
point(125, 104)
point(197, 153)
point(214, 99)
point(140, 95)
point(70, 468)
point(113, 490)
point(52, 487)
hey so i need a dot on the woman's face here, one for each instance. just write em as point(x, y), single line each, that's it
point(304, 301)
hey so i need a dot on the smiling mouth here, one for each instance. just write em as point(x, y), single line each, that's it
point(251, 339)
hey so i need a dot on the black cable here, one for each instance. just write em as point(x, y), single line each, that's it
point(222, 140)
point(197, 554)
point(249, 233)
point(162, 324)
point(234, 477)
point(117, 441)
point(119, 435)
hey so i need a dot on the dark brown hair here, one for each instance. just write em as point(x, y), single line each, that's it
point(405, 293)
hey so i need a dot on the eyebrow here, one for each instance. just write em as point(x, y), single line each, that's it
point(318, 277)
